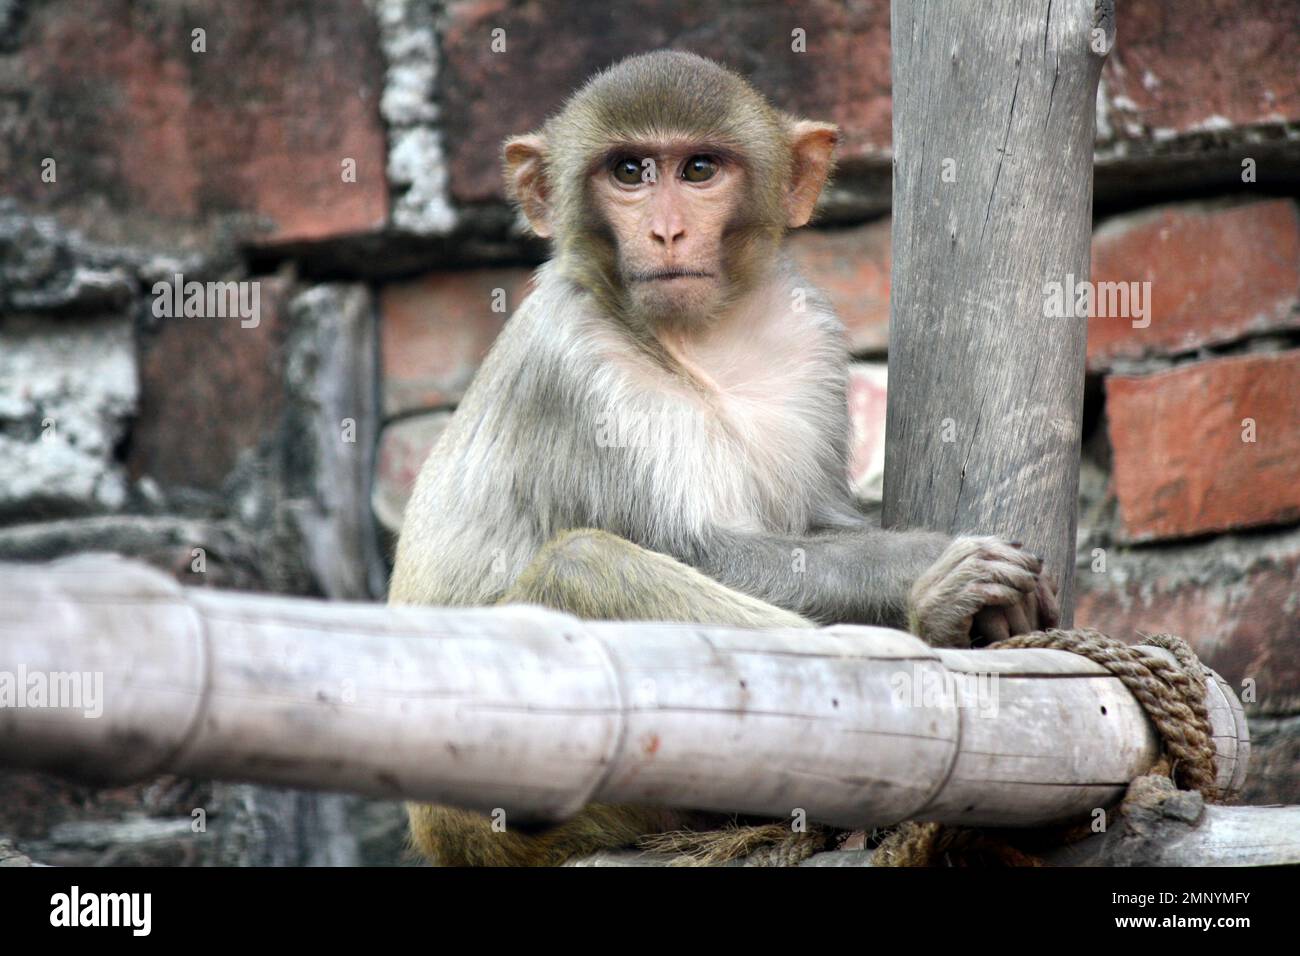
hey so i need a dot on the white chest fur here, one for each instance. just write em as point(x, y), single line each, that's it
point(759, 400)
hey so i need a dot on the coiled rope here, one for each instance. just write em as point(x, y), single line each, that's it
point(1171, 692)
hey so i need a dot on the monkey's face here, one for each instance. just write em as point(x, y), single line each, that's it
point(666, 183)
point(669, 207)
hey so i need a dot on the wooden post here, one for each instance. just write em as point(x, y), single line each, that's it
point(994, 110)
point(111, 672)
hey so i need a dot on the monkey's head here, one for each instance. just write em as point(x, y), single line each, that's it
point(666, 183)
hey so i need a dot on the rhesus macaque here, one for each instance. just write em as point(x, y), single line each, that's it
point(661, 430)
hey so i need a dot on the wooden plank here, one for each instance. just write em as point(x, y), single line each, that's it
point(1223, 836)
point(993, 138)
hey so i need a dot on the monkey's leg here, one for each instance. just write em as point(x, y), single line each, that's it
point(601, 577)
point(596, 576)
point(450, 837)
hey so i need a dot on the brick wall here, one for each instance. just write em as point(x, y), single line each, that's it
point(341, 155)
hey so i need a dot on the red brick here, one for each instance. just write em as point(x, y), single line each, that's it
point(1185, 65)
point(154, 141)
point(852, 266)
point(1178, 66)
point(403, 447)
point(1217, 273)
point(435, 330)
point(1243, 623)
point(551, 49)
point(868, 389)
point(209, 390)
point(1180, 465)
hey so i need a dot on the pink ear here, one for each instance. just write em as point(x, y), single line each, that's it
point(812, 148)
point(525, 172)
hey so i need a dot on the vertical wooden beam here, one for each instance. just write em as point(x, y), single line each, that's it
point(994, 113)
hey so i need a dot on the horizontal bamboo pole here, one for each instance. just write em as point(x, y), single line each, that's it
point(539, 713)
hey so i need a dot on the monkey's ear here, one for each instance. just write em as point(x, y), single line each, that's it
point(526, 183)
point(812, 147)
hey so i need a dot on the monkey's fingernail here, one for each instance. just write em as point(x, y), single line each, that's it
point(1016, 544)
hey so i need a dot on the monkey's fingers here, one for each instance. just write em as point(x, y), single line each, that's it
point(963, 634)
point(1021, 616)
point(1012, 552)
point(991, 625)
point(1049, 609)
point(996, 595)
point(1011, 575)
point(1033, 613)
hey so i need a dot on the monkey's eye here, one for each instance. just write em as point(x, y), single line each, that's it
point(627, 170)
point(699, 169)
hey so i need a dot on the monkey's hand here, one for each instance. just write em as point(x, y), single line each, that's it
point(981, 590)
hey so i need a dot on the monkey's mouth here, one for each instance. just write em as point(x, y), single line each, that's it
point(664, 275)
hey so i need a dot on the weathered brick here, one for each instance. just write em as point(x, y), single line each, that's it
point(436, 329)
point(1179, 67)
point(552, 48)
point(403, 447)
point(231, 558)
point(210, 389)
point(1181, 464)
point(327, 446)
point(157, 143)
point(868, 388)
point(852, 266)
point(1240, 609)
point(68, 391)
point(1218, 272)
point(1184, 66)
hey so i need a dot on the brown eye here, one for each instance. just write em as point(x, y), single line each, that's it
point(699, 169)
point(627, 171)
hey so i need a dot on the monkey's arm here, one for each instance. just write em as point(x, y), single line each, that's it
point(924, 581)
point(861, 576)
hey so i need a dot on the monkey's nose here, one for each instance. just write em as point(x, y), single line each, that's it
point(667, 235)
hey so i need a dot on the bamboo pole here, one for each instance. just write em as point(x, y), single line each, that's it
point(539, 713)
